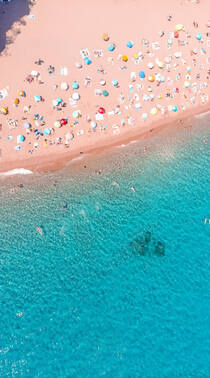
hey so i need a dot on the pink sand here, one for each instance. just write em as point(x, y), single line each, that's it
point(60, 29)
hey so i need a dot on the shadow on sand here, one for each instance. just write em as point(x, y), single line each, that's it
point(9, 13)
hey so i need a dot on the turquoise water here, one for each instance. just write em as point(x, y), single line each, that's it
point(90, 297)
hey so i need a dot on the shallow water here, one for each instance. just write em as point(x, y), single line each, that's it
point(90, 297)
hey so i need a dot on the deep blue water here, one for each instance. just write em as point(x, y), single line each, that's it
point(94, 298)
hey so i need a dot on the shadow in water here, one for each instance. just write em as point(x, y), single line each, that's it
point(11, 12)
point(147, 245)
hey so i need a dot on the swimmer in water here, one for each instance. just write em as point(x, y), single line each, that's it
point(115, 183)
point(64, 206)
point(39, 230)
point(132, 188)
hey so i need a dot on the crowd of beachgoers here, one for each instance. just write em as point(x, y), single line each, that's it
point(112, 89)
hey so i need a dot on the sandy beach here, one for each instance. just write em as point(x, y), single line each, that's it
point(83, 76)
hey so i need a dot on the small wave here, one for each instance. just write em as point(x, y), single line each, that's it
point(201, 115)
point(17, 171)
point(81, 157)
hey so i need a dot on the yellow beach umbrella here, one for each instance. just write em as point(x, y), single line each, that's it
point(135, 56)
point(16, 101)
point(154, 111)
point(105, 37)
point(179, 27)
point(4, 110)
point(124, 58)
point(151, 78)
point(160, 96)
point(57, 124)
point(160, 64)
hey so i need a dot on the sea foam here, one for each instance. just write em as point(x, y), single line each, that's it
point(17, 171)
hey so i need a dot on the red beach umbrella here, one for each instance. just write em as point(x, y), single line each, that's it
point(101, 110)
point(176, 34)
point(63, 122)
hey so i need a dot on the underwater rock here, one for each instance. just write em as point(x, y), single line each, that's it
point(159, 249)
point(148, 237)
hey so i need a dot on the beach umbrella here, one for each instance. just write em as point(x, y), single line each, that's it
point(75, 96)
point(75, 85)
point(151, 78)
point(101, 110)
point(176, 34)
point(124, 58)
point(76, 114)
point(135, 56)
point(149, 89)
point(105, 37)
point(199, 36)
point(78, 65)
point(27, 125)
point(175, 108)
point(105, 93)
point(154, 111)
point(59, 101)
point(129, 44)
point(158, 77)
point(57, 124)
point(4, 110)
point(144, 116)
point(170, 41)
point(142, 74)
point(87, 60)
point(162, 79)
point(189, 69)
point(187, 84)
point(38, 98)
point(150, 65)
point(93, 124)
point(20, 138)
point(16, 101)
point(160, 64)
point(63, 121)
point(115, 83)
point(103, 82)
point(64, 86)
point(111, 47)
point(21, 93)
point(47, 132)
point(179, 27)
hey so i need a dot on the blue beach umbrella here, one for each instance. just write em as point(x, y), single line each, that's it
point(59, 100)
point(111, 47)
point(87, 60)
point(38, 98)
point(47, 132)
point(105, 93)
point(199, 36)
point(20, 138)
point(75, 85)
point(129, 44)
point(142, 74)
point(175, 108)
point(115, 83)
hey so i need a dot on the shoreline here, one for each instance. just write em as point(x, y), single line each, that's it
point(34, 165)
